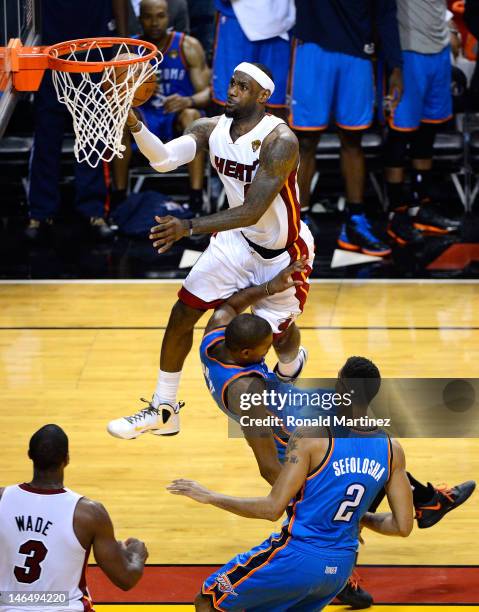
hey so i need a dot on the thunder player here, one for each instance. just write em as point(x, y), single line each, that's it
point(47, 531)
point(232, 355)
point(183, 88)
point(256, 156)
point(332, 481)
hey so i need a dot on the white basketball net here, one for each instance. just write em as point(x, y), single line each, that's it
point(98, 103)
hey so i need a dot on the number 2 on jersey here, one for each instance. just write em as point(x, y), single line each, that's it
point(35, 552)
point(354, 494)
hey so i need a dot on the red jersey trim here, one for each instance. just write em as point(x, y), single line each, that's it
point(26, 487)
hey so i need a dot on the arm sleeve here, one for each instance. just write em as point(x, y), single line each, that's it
point(388, 30)
point(165, 157)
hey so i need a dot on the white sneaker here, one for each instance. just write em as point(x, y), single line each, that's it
point(169, 424)
point(303, 356)
point(148, 419)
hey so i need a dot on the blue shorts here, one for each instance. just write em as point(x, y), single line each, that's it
point(279, 575)
point(157, 121)
point(232, 47)
point(330, 85)
point(427, 90)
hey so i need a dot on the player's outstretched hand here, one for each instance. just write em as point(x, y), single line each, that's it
point(190, 488)
point(169, 230)
point(284, 280)
point(138, 547)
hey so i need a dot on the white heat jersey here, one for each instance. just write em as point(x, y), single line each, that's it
point(237, 163)
point(39, 548)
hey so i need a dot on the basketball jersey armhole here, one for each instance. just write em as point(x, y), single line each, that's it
point(390, 457)
point(180, 49)
point(73, 526)
point(212, 331)
point(325, 459)
point(224, 391)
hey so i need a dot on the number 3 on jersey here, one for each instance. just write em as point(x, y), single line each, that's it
point(354, 494)
point(35, 552)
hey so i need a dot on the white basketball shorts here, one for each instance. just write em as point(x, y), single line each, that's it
point(230, 264)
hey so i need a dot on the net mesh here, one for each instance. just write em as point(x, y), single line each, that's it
point(99, 101)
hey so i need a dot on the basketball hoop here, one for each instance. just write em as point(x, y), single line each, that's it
point(98, 88)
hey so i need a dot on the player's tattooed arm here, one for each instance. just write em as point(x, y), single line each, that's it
point(398, 522)
point(290, 456)
point(241, 300)
point(289, 482)
point(278, 158)
point(201, 130)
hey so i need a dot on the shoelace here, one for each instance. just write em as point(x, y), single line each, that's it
point(446, 490)
point(151, 410)
point(354, 580)
point(178, 406)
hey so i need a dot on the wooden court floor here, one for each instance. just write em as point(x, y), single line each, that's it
point(80, 354)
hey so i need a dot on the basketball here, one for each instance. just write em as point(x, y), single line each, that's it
point(146, 89)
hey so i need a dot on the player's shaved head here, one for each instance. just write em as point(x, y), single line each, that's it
point(48, 448)
point(247, 332)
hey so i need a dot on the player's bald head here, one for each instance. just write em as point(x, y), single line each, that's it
point(246, 331)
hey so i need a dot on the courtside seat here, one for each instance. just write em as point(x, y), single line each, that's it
point(474, 164)
point(474, 150)
point(329, 147)
point(449, 157)
point(449, 150)
point(15, 156)
point(328, 155)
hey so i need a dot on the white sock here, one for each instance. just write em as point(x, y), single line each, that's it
point(166, 388)
point(290, 368)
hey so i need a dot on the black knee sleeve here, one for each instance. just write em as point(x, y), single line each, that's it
point(422, 141)
point(395, 148)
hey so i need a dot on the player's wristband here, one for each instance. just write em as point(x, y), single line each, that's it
point(133, 128)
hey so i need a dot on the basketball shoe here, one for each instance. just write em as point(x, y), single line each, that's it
point(303, 357)
point(356, 235)
point(353, 595)
point(401, 229)
point(161, 421)
point(432, 220)
point(443, 500)
point(36, 229)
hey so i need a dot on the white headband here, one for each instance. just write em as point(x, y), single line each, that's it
point(257, 74)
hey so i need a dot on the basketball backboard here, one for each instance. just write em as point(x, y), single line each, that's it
point(18, 19)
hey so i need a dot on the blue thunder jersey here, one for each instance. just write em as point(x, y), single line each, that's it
point(172, 73)
point(327, 510)
point(218, 377)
